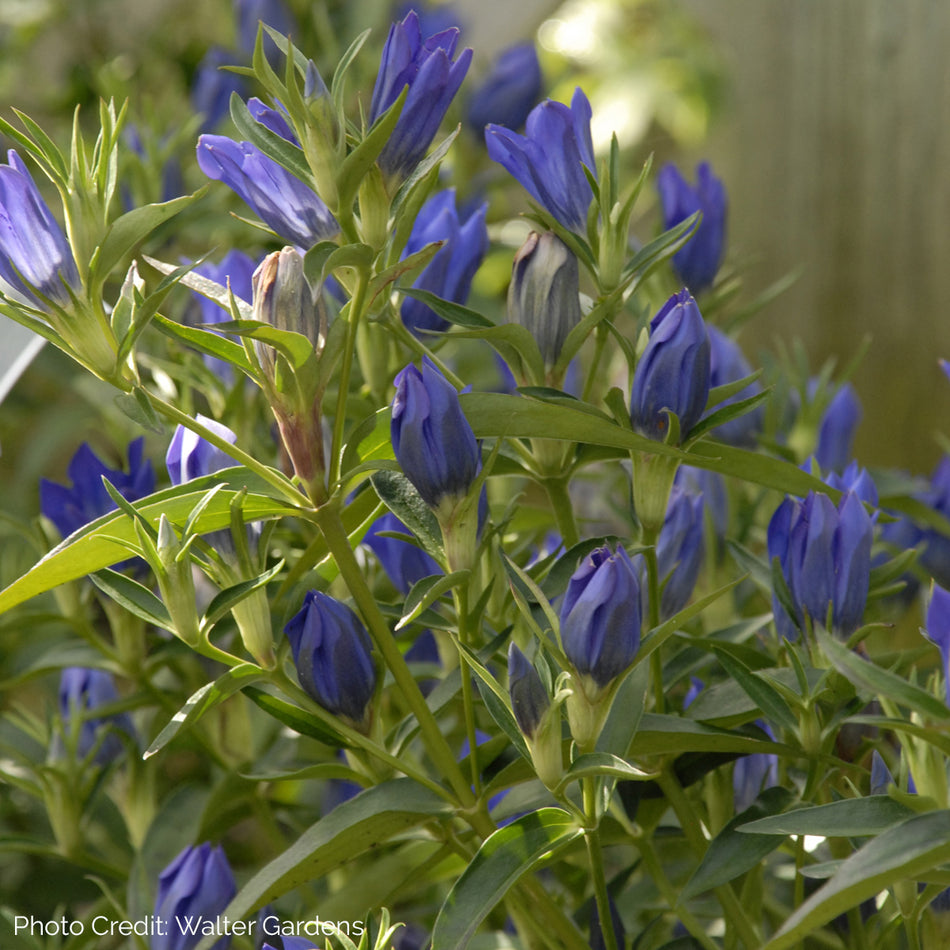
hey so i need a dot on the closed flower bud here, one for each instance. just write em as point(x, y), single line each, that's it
point(825, 556)
point(432, 440)
point(510, 90)
point(697, 262)
point(600, 615)
point(544, 295)
point(449, 274)
point(727, 364)
point(938, 629)
point(856, 479)
point(837, 429)
point(35, 256)
point(529, 698)
point(199, 883)
point(935, 556)
point(673, 373)
point(214, 85)
point(426, 66)
point(679, 550)
point(549, 159)
point(754, 772)
point(81, 692)
point(332, 653)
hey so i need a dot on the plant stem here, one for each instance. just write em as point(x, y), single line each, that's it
point(556, 488)
point(653, 597)
point(596, 858)
point(460, 595)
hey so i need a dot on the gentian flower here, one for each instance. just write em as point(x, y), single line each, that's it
point(199, 882)
point(697, 262)
point(549, 159)
point(600, 615)
point(679, 550)
point(673, 372)
point(403, 562)
point(754, 772)
point(333, 656)
point(544, 293)
point(433, 442)
point(857, 479)
point(250, 13)
point(81, 692)
point(837, 428)
point(34, 252)
point(426, 66)
point(283, 202)
point(825, 556)
point(712, 486)
point(529, 698)
point(190, 456)
point(880, 775)
point(935, 556)
point(213, 85)
point(72, 508)
point(449, 274)
point(727, 364)
point(938, 629)
point(509, 91)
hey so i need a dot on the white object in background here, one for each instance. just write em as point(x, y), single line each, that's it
point(18, 346)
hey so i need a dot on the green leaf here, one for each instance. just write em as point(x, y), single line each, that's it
point(731, 854)
point(659, 249)
point(501, 860)
point(903, 851)
point(225, 599)
point(849, 818)
point(673, 735)
point(202, 700)
point(296, 718)
point(869, 676)
point(204, 341)
point(295, 346)
point(426, 592)
point(363, 823)
point(763, 694)
point(401, 498)
point(455, 313)
point(102, 542)
point(288, 155)
point(625, 714)
point(602, 763)
point(133, 597)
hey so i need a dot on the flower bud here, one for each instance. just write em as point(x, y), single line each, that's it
point(673, 373)
point(938, 629)
point(754, 772)
point(727, 364)
point(679, 550)
point(544, 296)
point(198, 883)
point(697, 262)
point(333, 656)
point(837, 428)
point(432, 440)
point(529, 698)
point(81, 692)
point(510, 90)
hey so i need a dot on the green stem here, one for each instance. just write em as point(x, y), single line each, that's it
point(653, 596)
point(560, 499)
point(599, 344)
point(596, 859)
point(460, 595)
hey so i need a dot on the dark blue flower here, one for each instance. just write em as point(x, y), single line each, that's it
point(600, 615)
point(935, 556)
point(596, 932)
point(250, 13)
point(697, 262)
point(673, 373)
point(754, 772)
point(529, 698)
point(509, 91)
point(727, 364)
point(81, 692)
point(857, 479)
point(549, 159)
point(712, 486)
point(938, 629)
point(190, 456)
point(679, 550)
point(290, 208)
point(449, 274)
point(825, 556)
point(274, 120)
point(404, 563)
point(432, 440)
point(34, 252)
point(426, 66)
point(837, 428)
point(198, 883)
point(72, 508)
point(333, 656)
point(213, 86)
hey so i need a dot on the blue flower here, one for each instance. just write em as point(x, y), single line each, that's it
point(825, 556)
point(72, 508)
point(935, 556)
point(679, 550)
point(290, 208)
point(190, 456)
point(754, 772)
point(333, 656)
point(673, 373)
point(837, 428)
point(857, 479)
point(549, 159)
point(35, 257)
point(529, 698)
point(697, 262)
point(404, 563)
point(426, 66)
point(432, 440)
point(727, 364)
point(600, 615)
point(81, 692)
point(510, 90)
point(712, 487)
point(198, 883)
point(250, 13)
point(449, 274)
point(213, 86)
point(938, 629)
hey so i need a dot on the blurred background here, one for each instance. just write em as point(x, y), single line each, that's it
point(828, 123)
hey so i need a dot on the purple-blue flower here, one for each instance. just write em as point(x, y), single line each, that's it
point(697, 262)
point(837, 428)
point(754, 772)
point(333, 656)
point(190, 456)
point(510, 90)
point(529, 698)
point(549, 159)
point(673, 373)
point(432, 440)
point(679, 550)
point(824, 553)
point(938, 629)
point(727, 364)
point(250, 13)
point(81, 692)
point(34, 252)
point(600, 615)
point(290, 208)
point(213, 86)
point(857, 479)
point(72, 508)
point(935, 556)
point(198, 883)
point(449, 274)
point(404, 563)
point(712, 486)
point(426, 66)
